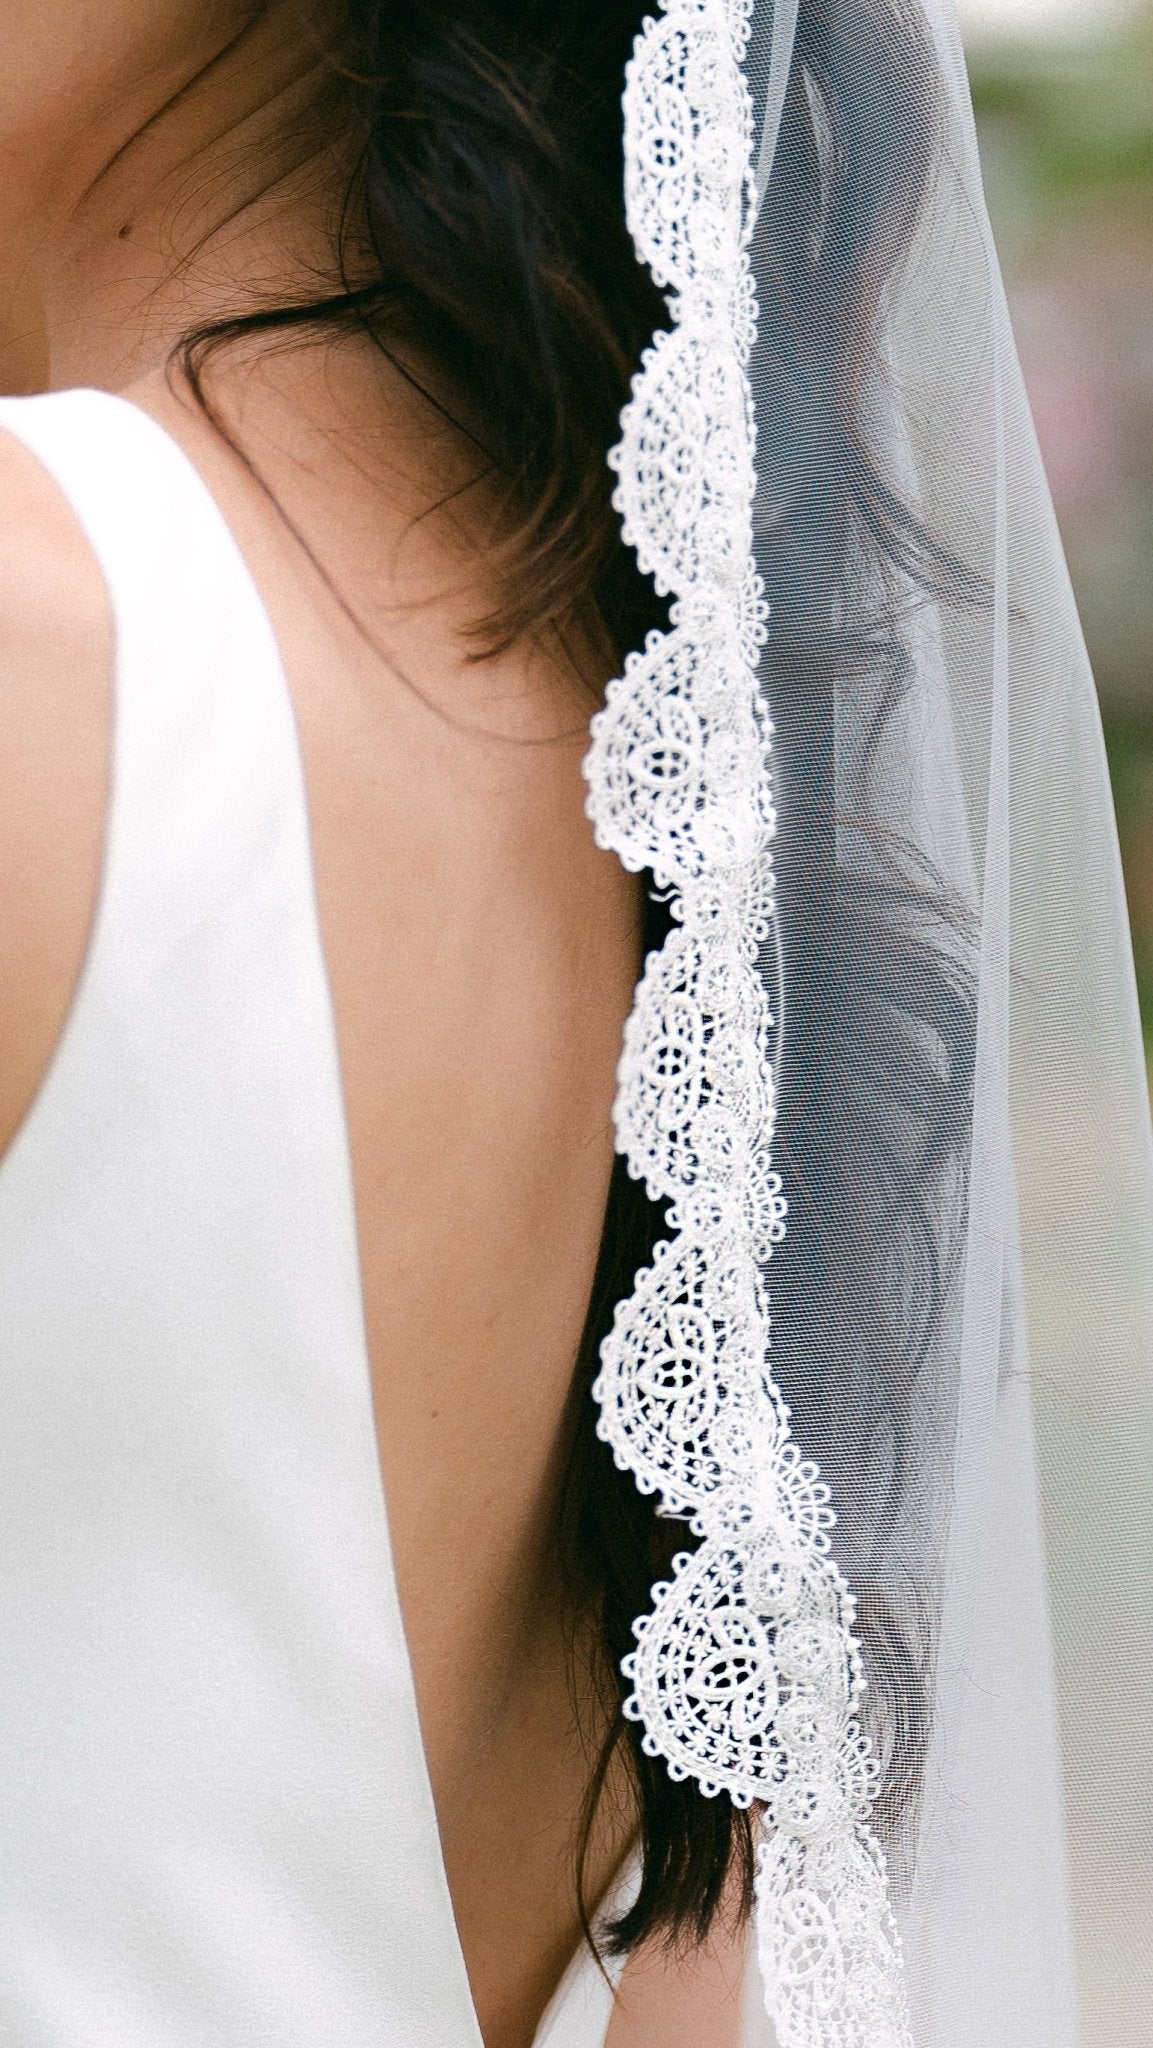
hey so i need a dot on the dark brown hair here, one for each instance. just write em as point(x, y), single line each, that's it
point(484, 234)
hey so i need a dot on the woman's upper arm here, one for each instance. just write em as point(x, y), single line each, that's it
point(55, 726)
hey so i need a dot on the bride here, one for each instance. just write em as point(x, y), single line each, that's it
point(318, 938)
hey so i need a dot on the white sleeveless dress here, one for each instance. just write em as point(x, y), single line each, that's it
point(216, 1822)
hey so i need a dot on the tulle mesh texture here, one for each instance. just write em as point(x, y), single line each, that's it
point(924, 1023)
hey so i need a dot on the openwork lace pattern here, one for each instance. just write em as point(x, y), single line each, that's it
point(746, 1676)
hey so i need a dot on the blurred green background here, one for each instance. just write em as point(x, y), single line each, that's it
point(1063, 91)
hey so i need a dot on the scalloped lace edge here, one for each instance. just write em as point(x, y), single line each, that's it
point(746, 1676)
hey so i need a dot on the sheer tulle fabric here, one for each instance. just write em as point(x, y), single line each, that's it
point(1001, 1565)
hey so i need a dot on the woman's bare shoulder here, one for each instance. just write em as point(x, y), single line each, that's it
point(55, 721)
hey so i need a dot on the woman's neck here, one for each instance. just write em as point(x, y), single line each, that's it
point(181, 196)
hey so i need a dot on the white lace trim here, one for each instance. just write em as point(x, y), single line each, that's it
point(746, 1675)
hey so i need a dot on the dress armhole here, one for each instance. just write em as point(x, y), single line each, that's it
point(57, 717)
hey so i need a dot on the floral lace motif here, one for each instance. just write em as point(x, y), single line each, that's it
point(746, 1675)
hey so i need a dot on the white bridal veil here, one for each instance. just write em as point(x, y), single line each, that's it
point(957, 1852)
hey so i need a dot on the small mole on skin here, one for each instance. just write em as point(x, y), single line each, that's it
point(125, 231)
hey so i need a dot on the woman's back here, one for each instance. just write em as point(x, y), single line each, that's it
point(481, 955)
point(184, 1197)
